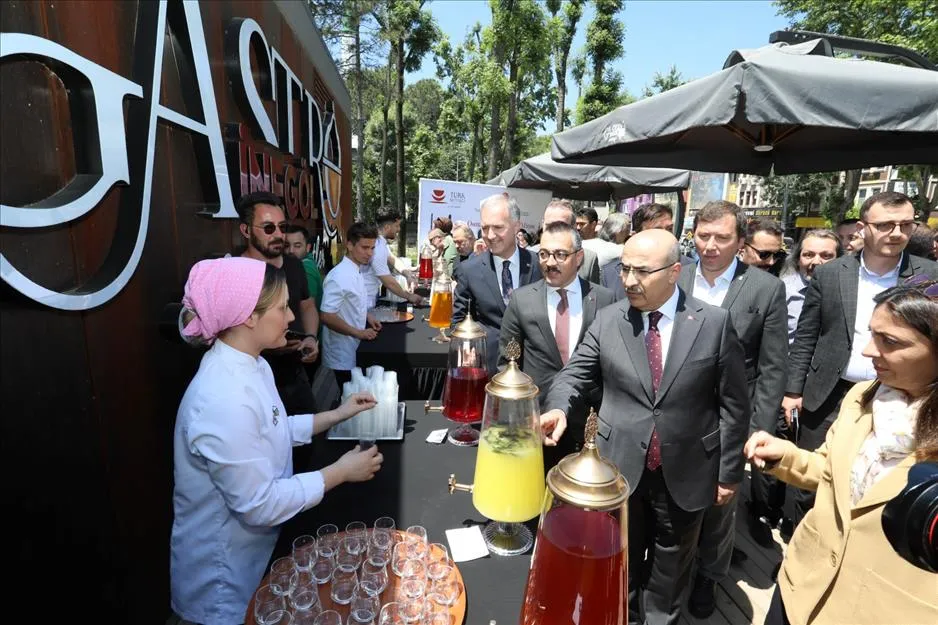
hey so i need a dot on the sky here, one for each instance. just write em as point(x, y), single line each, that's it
point(695, 36)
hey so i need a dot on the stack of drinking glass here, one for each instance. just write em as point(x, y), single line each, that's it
point(382, 420)
point(357, 565)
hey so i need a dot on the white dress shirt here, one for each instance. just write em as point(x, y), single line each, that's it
point(234, 484)
point(668, 311)
point(377, 268)
point(714, 295)
point(859, 367)
point(795, 287)
point(574, 308)
point(345, 294)
point(514, 268)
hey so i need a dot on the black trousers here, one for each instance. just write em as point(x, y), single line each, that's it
point(814, 427)
point(776, 614)
point(662, 544)
point(767, 493)
point(296, 393)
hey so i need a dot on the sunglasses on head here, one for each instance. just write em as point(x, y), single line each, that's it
point(923, 283)
point(767, 254)
point(270, 228)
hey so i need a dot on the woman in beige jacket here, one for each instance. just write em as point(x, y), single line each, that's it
point(839, 568)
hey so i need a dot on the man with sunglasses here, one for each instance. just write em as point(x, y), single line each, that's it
point(549, 317)
point(264, 226)
point(755, 301)
point(763, 246)
point(826, 357)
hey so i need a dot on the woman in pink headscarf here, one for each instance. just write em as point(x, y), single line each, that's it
point(233, 463)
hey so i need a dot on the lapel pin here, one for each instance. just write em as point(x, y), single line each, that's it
point(276, 414)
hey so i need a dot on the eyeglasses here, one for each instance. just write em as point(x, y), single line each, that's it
point(639, 273)
point(923, 283)
point(560, 255)
point(886, 227)
point(767, 254)
point(270, 228)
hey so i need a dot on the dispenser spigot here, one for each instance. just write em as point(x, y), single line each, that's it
point(454, 486)
point(427, 408)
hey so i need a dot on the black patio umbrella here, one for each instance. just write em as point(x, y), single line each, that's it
point(793, 108)
point(596, 183)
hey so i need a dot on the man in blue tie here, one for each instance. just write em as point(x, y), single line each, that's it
point(484, 283)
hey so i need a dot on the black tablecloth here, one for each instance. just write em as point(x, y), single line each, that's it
point(412, 488)
point(407, 349)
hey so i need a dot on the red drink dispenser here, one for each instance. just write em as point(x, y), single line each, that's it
point(579, 571)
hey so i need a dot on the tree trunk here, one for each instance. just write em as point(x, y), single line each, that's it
point(561, 71)
point(495, 134)
point(851, 184)
point(384, 135)
point(399, 131)
point(511, 130)
point(475, 146)
point(359, 125)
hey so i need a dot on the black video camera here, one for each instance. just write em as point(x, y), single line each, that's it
point(910, 519)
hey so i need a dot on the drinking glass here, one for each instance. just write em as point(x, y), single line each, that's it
point(385, 523)
point(375, 575)
point(437, 561)
point(379, 547)
point(413, 579)
point(436, 614)
point(326, 529)
point(306, 617)
point(349, 556)
point(358, 531)
point(363, 610)
point(266, 603)
point(329, 617)
point(282, 575)
point(280, 617)
point(412, 610)
point(305, 595)
point(445, 590)
point(322, 568)
point(399, 557)
point(304, 549)
point(328, 544)
point(417, 550)
point(343, 586)
point(391, 614)
point(416, 532)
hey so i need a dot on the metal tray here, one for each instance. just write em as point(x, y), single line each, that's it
point(398, 436)
point(391, 315)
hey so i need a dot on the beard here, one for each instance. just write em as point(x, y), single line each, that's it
point(266, 250)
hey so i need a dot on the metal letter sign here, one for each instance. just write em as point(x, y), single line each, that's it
point(114, 163)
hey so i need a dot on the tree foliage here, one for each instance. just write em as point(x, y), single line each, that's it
point(663, 82)
point(604, 44)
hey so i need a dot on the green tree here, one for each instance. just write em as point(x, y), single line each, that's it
point(578, 73)
point(663, 82)
point(563, 29)
point(909, 23)
point(604, 45)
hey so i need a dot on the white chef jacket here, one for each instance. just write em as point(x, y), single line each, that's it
point(234, 484)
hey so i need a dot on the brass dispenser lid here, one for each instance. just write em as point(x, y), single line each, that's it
point(586, 479)
point(511, 382)
point(468, 328)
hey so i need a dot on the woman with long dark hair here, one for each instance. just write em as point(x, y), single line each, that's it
point(839, 566)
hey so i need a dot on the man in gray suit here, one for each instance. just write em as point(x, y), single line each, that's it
point(549, 318)
point(562, 211)
point(756, 303)
point(826, 358)
point(674, 415)
point(484, 283)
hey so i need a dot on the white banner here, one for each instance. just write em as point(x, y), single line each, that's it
point(460, 202)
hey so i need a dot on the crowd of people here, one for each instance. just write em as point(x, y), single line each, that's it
point(818, 365)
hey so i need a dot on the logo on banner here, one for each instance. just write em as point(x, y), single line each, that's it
point(238, 158)
point(438, 196)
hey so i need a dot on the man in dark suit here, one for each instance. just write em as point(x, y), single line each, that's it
point(484, 283)
point(756, 303)
point(826, 358)
point(674, 415)
point(549, 318)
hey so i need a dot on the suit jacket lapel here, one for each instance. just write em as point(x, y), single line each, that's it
point(633, 335)
point(849, 278)
point(541, 313)
point(906, 270)
point(589, 308)
point(736, 285)
point(683, 334)
point(492, 280)
point(887, 487)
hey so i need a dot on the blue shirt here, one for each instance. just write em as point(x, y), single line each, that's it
point(234, 484)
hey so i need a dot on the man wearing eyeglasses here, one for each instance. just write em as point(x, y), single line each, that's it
point(548, 319)
point(673, 417)
point(264, 227)
point(826, 357)
point(756, 304)
point(763, 246)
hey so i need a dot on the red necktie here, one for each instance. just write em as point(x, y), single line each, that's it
point(562, 326)
point(653, 349)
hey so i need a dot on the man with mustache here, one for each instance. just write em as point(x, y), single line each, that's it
point(264, 227)
point(549, 317)
point(674, 415)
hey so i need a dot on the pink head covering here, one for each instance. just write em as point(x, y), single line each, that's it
point(222, 293)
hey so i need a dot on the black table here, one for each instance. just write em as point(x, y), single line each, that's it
point(407, 349)
point(412, 488)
